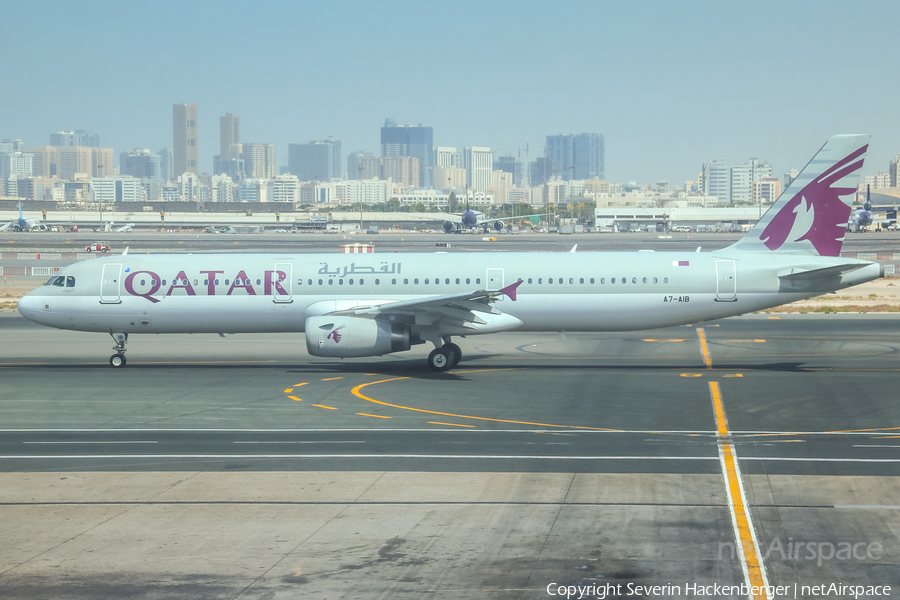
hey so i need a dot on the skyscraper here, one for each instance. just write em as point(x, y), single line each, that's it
point(576, 157)
point(229, 134)
point(185, 144)
point(79, 137)
point(166, 163)
point(410, 140)
point(317, 160)
point(259, 160)
point(479, 167)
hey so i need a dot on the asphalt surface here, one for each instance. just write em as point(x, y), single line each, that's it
point(632, 402)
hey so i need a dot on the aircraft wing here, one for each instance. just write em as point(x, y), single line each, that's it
point(480, 221)
point(467, 311)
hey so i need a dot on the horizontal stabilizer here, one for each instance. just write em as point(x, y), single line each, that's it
point(800, 274)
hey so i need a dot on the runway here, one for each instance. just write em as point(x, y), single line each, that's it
point(243, 468)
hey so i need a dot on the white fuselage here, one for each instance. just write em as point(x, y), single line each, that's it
point(245, 293)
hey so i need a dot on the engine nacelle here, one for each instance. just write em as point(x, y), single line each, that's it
point(353, 336)
point(448, 227)
point(498, 225)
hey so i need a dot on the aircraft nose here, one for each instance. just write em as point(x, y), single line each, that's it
point(28, 306)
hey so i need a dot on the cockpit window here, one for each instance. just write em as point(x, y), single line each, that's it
point(60, 281)
point(51, 280)
point(70, 281)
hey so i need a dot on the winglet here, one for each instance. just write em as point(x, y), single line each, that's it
point(573, 248)
point(124, 252)
point(510, 290)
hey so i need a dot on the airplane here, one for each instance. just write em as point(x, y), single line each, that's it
point(21, 224)
point(863, 217)
point(125, 228)
point(471, 219)
point(350, 305)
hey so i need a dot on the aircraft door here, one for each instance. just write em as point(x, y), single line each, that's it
point(110, 284)
point(726, 284)
point(494, 279)
point(281, 283)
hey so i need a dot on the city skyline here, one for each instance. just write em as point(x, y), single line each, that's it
point(669, 88)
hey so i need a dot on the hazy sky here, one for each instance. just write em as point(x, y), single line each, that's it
point(670, 84)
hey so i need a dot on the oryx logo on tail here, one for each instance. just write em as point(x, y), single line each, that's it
point(817, 212)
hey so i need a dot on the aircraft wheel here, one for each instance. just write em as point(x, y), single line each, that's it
point(117, 360)
point(457, 353)
point(440, 359)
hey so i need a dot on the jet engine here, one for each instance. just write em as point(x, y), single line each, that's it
point(448, 227)
point(353, 336)
point(498, 225)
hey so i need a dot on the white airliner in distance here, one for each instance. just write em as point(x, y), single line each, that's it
point(370, 305)
point(21, 224)
point(470, 219)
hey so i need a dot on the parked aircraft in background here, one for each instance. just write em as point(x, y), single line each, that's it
point(125, 228)
point(21, 224)
point(470, 219)
point(357, 305)
point(865, 216)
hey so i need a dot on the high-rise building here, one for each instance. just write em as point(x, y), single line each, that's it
point(16, 163)
point(733, 182)
point(229, 134)
point(449, 178)
point(140, 163)
point(79, 137)
point(259, 160)
point(356, 168)
point(317, 160)
point(116, 189)
point(166, 163)
point(222, 188)
point(893, 171)
point(185, 150)
point(410, 140)
point(540, 170)
point(576, 157)
point(509, 164)
point(479, 167)
point(284, 188)
point(448, 157)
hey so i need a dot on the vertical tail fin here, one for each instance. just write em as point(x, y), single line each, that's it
point(810, 216)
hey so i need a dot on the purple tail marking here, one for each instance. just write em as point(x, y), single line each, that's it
point(829, 211)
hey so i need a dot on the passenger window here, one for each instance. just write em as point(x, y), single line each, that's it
point(340, 282)
point(478, 280)
point(665, 280)
point(540, 280)
point(152, 282)
point(602, 280)
point(592, 280)
point(426, 281)
point(331, 282)
point(624, 280)
point(467, 281)
point(529, 280)
point(550, 280)
point(143, 281)
point(457, 281)
point(361, 282)
point(320, 282)
point(572, 280)
point(645, 280)
point(195, 282)
point(634, 280)
point(655, 280)
point(416, 281)
point(350, 282)
point(377, 281)
point(405, 281)
point(581, 280)
point(308, 282)
point(174, 282)
point(226, 282)
point(205, 281)
point(613, 280)
point(393, 282)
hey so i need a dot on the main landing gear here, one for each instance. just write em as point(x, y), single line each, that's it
point(445, 357)
point(118, 359)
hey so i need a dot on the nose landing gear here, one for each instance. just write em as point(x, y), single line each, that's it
point(118, 359)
